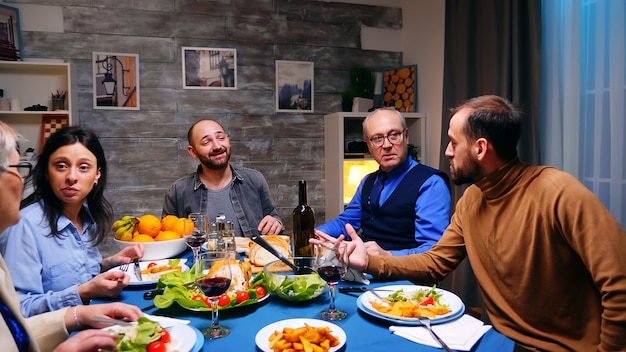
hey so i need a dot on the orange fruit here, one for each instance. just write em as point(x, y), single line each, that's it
point(142, 238)
point(149, 225)
point(166, 236)
point(168, 222)
point(183, 227)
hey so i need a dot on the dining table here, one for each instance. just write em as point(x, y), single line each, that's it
point(364, 332)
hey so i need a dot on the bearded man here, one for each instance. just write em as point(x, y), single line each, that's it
point(240, 193)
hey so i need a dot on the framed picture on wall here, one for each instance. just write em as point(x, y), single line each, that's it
point(294, 86)
point(115, 81)
point(10, 34)
point(400, 88)
point(209, 68)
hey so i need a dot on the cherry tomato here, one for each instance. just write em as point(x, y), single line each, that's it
point(157, 346)
point(260, 291)
point(202, 298)
point(224, 300)
point(197, 298)
point(427, 301)
point(151, 265)
point(242, 296)
point(165, 336)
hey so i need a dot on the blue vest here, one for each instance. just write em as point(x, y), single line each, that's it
point(392, 226)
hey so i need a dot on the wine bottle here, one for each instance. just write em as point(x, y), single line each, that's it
point(303, 224)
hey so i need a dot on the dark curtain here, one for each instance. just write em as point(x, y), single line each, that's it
point(492, 47)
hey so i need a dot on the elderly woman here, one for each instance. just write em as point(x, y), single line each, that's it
point(45, 332)
point(52, 252)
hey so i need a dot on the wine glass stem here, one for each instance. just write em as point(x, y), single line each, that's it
point(215, 323)
point(331, 288)
point(195, 260)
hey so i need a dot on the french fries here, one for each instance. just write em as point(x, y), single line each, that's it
point(408, 309)
point(303, 339)
point(161, 268)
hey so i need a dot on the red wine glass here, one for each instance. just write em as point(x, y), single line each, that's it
point(330, 268)
point(213, 279)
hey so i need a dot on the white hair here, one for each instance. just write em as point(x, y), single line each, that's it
point(8, 143)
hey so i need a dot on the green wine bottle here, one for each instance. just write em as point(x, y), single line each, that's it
point(303, 224)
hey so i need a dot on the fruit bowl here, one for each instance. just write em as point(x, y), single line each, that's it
point(282, 281)
point(158, 249)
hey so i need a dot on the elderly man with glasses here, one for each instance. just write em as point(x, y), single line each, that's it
point(402, 208)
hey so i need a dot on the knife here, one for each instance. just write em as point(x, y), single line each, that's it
point(362, 289)
point(137, 269)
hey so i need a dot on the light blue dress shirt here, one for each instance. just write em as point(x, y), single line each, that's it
point(432, 210)
point(47, 270)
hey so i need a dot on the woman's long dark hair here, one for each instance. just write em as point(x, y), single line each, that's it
point(100, 209)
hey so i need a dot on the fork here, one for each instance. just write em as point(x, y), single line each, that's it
point(124, 267)
point(426, 321)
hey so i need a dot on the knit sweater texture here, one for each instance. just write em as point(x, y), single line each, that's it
point(549, 258)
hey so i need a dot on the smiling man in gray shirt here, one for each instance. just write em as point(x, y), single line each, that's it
point(242, 194)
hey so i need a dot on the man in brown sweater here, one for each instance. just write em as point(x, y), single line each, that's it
point(549, 258)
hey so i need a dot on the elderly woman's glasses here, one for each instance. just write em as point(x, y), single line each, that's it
point(393, 138)
point(24, 169)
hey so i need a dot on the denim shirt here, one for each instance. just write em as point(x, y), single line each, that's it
point(250, 196)
point(47, 270)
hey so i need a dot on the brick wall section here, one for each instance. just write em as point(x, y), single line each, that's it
point(146, 149)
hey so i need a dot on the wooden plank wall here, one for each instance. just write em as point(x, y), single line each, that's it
point(146, 149)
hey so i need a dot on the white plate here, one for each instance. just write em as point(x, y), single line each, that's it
point(186, 338)
point(453, 301)
point(262, 337)
point(148, 279)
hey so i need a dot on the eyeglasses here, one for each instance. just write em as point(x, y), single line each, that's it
point(24, 169)
point(393, 138)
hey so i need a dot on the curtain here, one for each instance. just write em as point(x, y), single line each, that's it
point(491, 47)
point(584, 92)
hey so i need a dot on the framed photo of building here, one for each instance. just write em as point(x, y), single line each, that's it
point(115, 81)
point(209, 68)
point(294, 86)
point(400, 88)
point(10, 34)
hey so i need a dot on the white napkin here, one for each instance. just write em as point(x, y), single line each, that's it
point(460, 334)
point(165, 320)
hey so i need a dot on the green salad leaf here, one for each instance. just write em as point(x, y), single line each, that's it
point(174, 291)
point(146, 331)
point(296, 288)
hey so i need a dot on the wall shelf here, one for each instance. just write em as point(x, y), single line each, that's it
point(33, 83)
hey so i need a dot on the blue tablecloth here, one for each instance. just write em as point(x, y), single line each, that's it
point(364, 333)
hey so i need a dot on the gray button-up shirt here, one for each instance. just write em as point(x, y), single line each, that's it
point(249, 194)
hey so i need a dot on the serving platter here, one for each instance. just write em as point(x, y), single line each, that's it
point(262, 337)
point(456, 305)
point(149, 279)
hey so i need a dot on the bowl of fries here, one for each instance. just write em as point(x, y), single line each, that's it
point(300, 335)
point(290, 286)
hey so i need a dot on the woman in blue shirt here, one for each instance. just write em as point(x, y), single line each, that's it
point(52, 252)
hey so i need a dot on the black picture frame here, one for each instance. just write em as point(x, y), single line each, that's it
point(10, 34)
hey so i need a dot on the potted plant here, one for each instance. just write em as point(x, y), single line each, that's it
point(362, 82)
point(347, 97)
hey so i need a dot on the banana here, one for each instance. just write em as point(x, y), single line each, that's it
point(128, 227)
point(127, 236)
point(128, 219)
point(119, 223)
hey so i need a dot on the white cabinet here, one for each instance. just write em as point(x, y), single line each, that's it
point(346, 159)
point(30, 83)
